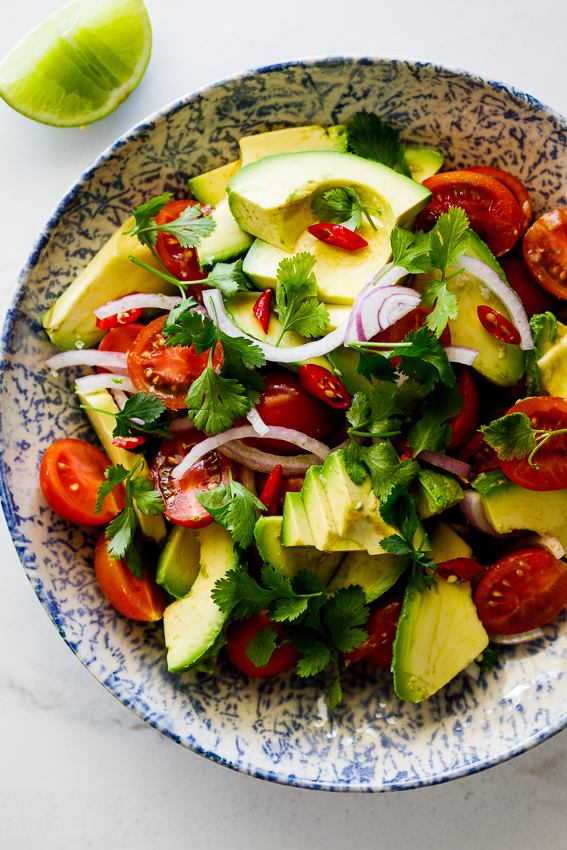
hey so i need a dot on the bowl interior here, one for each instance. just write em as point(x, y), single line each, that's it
point(276, 729)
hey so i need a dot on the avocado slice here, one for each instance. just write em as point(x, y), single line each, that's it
point(509, 507)
point(268, 534)
point(435, 491)
point(345, 360)
point(553, 364)
point(293, 139)
point(178, 563)
point(320, 517)
point(70, 321)
point(272, 198)
point(296, 530)
point(438, 634)
point(423, 162)
point(193, 625)
point(210, 187)
point(226, 242)
point(446, 543)
point(152, 527)
point(375, 574)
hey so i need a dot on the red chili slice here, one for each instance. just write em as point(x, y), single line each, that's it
point(128, 442)
point(270, 494)
point(262, 307)
point(498, 325)
point(325, 386)
point(336, 234)
point(463, 568)
point(119, 318)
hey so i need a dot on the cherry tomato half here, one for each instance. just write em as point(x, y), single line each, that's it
point(70, 476)
point(521, 591)
point(119, 339)
point(179, 495)
point(284, 402)
point(498, 325)
point(336, 234)
point(381, 627)
point(324, 385)
point(465, 421)
point(550, 414)
point(533, 296)
point(183, 263)
point(493, 211)
point(137, 598)
point(545, 252)
point(167, 372)
point(241, 631)
point(515, 186)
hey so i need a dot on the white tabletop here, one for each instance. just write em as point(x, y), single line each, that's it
point(77, 769)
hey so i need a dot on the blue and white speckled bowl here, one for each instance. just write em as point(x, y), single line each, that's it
point(277, 729)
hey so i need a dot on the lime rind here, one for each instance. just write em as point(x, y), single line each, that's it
point(79, 64)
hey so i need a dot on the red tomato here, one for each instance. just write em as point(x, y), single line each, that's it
point(70, 476)
point(167, 372)
point(498, 325)
point(545, 252)
point(479, 454)
point(465, 421)
point(137, 598)
point(241, 631)
point(534, 298)
point(324, 385)
point(179, 495)
point(412, 321)
point(515, 186)
point(550, 414)
point(119, 339)
point(522, 591)
point(181, 262)
point(381, 627)
point(284, 402)
point(492, 209)
point(336, 234)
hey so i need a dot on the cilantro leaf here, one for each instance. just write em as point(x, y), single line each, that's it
point(114, 475)
point(229, 278)
point(188, 228)
point(425, 360)
point(234, 507)
point(445, 302)
point(450, 238)
point(342, 206)
point(148, 500)
point(400, 511)
point(259, 649)
point(359, 411)
point(185, 326)
point(147, 408)
point(411, 250)
point(296, 297)
point(335, 692)
point(370, 138)
point(489, 659)
point(512, 436)
point(240, 595)
point(375, 365)
point(344, 612)
point(381, 462)
point(316, 655)
point(432, 431)
point(214, 401)
point(144, 217)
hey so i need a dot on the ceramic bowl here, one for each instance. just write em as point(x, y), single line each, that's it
point(278, 729)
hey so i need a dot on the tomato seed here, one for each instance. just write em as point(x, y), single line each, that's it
point(61, 465)
point(497, 593)
point(520, 573)
point(73, 487)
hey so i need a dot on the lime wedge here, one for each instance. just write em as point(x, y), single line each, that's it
point(79, 64)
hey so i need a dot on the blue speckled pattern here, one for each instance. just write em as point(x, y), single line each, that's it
point(277, 729)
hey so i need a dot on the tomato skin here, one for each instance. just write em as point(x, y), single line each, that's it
point(240, 632)
point(515, 186)
point(166, 372)
point(284, 402)
point(492, 209)
point(179, 495)
point(412, 321)
point(336, 234)
point(181, 262)
point(381, 627)
point(324, 385)
point(549, 413)
point(70, 462)
point(119, 338)
point(534, 297)
point(465, 421)
point(545, 252)
point(139, 599)
point(479, 454)
point(521, 591)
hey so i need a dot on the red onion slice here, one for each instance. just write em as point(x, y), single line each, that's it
point(261, 461)
point(513, 640)
point(257, 422)
point(289, 435)
point(494, 282)
point(106, 380)
point(363, 321)
point(472, 671)
point(214, 302)
point(181, 425)
point(114, 360)
point(473, 510)
point(457, 467)
point(134, 302)
point(461, 354)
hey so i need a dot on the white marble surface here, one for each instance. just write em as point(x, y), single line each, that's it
point(77, 769)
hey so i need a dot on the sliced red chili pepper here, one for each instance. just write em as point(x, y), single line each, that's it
point(119, 318)
point(325, 386)
point(128, 442)
point(262, 308)
point(461, 568)
point(270, 495)
point(336, 234)
point(498, 325)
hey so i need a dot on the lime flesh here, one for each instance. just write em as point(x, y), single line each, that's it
point(79, 64)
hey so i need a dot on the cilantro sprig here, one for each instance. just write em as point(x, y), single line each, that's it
point(371, 138)
point(400, 511)
point(343, 206)
point(234, 507)
point(296, 298)
point(513, 437)
point(121, 531)
point(189, 228)
point(143, 412)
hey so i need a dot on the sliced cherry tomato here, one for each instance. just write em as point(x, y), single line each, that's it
point(284, 402)
point(137, 598)
point(119, 318)
point(545, 252)
point(412, 321)
point(493, 211)
point(179, 495)
point(336, 234)
point(167, 372)
point(465, 421)
point(381, 627)
point(534, 297)
point(550, 473)
point(128, 442)
point(183, 263)
point(119, 339)
point(460, 568)
point(324, 385)
point(479, 454)
point(270, 495)
point(515, 186)
point(498, 325)
point(522, 591)
point(262, 307)
point(70, 476)
point(241, 631)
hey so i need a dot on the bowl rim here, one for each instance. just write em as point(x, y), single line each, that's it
point(8, 325)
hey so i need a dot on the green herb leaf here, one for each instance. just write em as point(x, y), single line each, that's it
point(381, 462)
point(370, 138)
point(512, 436)
point(375, 365)
point(188, 228)
point(296, 302)
point(489, 660)
point(411, 250)
point(229, 278)
point(260, 648)
point(335, 693)
point(432, 432)
point(425, 360)
point(342, 206)
point(450, 238)
point(234, 507)
point(144, 216)
point(400, 511)
point(214, 402)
